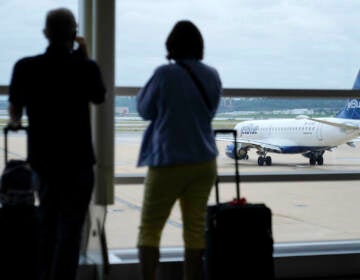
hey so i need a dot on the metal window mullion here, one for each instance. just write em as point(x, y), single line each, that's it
point(233, 92)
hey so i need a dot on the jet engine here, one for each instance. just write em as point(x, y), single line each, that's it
point(241, 152)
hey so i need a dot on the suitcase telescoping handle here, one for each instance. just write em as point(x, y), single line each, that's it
point(6, 132)
point(237, 177)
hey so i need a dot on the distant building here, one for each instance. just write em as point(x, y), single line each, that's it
point(294, 112)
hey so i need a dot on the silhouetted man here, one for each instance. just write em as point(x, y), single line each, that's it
point(56, 89)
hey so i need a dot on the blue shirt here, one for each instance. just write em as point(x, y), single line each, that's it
point(180, 130)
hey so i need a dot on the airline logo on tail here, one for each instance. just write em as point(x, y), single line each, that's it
point(351, 110)
point(353, 104)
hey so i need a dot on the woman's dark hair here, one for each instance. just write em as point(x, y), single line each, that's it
point(185, 41)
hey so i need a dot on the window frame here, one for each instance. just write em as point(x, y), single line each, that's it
point(290, 257)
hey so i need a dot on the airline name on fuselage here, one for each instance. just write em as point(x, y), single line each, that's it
point(249, 129)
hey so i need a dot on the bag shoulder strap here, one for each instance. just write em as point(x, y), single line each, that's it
point(197, 83)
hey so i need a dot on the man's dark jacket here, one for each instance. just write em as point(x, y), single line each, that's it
point(56, 89)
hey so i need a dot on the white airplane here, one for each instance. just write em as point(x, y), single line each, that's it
point(310, 137)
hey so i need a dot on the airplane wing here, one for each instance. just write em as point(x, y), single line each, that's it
point(246, 143)
point(353, 141)
point(340, 125)
point(351, 144)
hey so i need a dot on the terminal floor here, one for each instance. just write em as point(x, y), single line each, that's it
point(336, 278)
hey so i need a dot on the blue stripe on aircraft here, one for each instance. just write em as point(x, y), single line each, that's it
point(300, 149)
point(285, 149)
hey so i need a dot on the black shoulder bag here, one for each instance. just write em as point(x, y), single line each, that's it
point(197, 83)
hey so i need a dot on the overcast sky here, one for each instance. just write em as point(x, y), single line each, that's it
point(252, 43)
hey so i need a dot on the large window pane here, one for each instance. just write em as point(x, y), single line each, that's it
point(253, 44)
point(21, 30)
point(232, 111)
point(302, 211)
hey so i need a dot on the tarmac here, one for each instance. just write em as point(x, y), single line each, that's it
point(302, 211)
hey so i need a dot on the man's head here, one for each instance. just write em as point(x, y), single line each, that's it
point(60, 27)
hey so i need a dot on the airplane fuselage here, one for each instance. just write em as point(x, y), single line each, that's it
point(297, 135)
point(309, 136)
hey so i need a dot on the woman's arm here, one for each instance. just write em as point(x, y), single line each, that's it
point(148, 96)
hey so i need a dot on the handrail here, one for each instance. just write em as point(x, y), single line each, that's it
point(4, 90)
point(256, 177)
point(251, 92)
point(278, 93)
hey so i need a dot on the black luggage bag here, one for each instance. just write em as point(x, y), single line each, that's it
point(18, 219)
point(17, 184)
point(239, 243)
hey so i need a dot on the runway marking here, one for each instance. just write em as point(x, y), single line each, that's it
point(351, 159)
point(303, 166)
point(305, 222)
point(135, 207)
point(301, 205)
point(12, 153)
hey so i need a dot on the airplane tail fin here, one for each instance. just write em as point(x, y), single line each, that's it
point(351, 110)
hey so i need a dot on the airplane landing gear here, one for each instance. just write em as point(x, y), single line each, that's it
point(319, 160)
point(268, 161)
point(312, 160)
point(264, 160)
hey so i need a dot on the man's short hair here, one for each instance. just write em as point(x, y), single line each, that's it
point(185, 41)
point(60, 25)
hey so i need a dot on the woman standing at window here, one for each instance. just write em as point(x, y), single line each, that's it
point(180, 101)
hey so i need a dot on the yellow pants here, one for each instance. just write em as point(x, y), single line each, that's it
point(191, 184)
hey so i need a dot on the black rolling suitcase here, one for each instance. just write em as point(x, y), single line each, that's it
point(17, 186)
point(18, 219)
point(239, 243)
